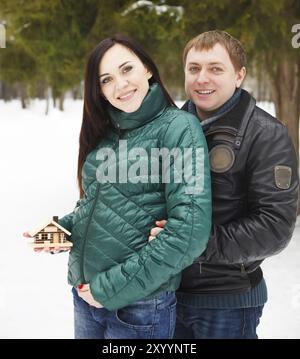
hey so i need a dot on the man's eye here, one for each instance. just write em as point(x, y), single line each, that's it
point(127, 69)
point(216, 69)
point(193, 69)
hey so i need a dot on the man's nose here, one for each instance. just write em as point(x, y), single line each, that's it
point(202, 76)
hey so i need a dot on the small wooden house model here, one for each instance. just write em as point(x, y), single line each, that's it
point(50, 234)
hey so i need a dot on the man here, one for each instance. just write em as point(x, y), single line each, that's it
point(254, 187)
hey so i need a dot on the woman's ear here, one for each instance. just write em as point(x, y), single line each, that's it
point(148, 74)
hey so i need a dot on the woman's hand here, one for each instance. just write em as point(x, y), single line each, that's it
point(47, 249)
point(154, 231)
point(84, 292)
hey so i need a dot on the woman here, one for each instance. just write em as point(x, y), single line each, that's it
point(123, 284)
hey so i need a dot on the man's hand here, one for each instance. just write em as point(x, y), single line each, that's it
point(84, 292)
point(154, 231)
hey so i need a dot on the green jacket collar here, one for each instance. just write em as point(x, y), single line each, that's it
point(153, 104)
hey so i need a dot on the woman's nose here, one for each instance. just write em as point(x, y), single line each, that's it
point(121, 82)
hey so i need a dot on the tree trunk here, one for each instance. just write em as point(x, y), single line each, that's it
point(47, 97)
point(75, 92)
point(1, 90)
point(61, 102)
point(23, 103)
point(286, 97)
point(23, 96)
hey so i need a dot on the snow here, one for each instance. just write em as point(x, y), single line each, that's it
point(38, 180)
point(159, 9)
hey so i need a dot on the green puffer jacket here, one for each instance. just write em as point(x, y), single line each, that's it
point(111, 223)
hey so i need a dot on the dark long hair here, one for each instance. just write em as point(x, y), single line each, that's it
point(95, 121)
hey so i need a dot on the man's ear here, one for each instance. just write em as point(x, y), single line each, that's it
point(240, 76)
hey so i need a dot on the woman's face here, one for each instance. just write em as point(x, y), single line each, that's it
point(123, 78)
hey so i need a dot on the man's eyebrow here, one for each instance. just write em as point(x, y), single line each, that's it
point(193, 63)
point(216, 63)
point(210, 63)
point(124, 63)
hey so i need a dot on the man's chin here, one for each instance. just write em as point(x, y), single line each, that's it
point(205, 108)
point(205, 111)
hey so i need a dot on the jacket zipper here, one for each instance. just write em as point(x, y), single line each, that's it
point(93, 208)
point(120, 133)
point(221, 130)
point(243, 270)
point(118, 129)
point(86, 230)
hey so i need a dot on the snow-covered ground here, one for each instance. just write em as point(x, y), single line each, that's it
point(38, 180)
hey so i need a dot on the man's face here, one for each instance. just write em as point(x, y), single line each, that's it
point(210, 78)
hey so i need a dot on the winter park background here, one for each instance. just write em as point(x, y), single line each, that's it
point(38, 180)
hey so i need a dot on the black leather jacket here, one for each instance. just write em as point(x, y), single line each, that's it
point(254, 176)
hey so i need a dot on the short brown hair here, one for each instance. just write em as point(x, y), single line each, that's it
point(207, 40)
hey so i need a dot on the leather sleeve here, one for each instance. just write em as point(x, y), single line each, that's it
point(268, 227)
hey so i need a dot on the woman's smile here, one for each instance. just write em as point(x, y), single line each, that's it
point(124, 78)
point(126, 96)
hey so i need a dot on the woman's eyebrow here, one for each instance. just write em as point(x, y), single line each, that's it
point(124, 63)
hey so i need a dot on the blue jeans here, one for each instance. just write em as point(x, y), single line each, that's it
point(154, 318)
point(201, 323)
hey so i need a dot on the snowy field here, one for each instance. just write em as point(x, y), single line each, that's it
point(38, 180)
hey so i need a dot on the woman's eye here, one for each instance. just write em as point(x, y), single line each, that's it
point(127, 69)
point(105, 80)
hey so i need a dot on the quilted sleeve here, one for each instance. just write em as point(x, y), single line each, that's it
point(188, 199)
point(67, 220)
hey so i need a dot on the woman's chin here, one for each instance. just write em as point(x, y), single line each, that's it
point(131, 108)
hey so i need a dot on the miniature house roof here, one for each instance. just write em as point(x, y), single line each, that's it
point(50, 222)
